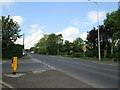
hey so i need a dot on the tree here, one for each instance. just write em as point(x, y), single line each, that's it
point(10, 33)
point(67, 47)
point(104, 40)
point(41, 46)
point(53, 43)
point(0, 30)
point(78, 44)
point(50, 44)
point(0, 39)
point(59, 41)
point(92, 38)
point(113, 24)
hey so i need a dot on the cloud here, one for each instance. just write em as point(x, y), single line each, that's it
point(33, 37)
point(4, 1)
point(17, 19)
point(34, 26)
point(83, 36)
point(69, 33)
point(92, 16)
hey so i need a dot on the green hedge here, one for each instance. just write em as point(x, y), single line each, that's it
point(14, 50)
point(78, 54)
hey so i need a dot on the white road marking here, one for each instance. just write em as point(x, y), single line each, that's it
point(6, 84)
point(38, 61)
point(39, 71)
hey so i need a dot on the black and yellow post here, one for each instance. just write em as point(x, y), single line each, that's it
point(14, 65)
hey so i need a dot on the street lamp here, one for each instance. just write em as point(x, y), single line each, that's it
point(98, 30)
point(24, 52)
point(23, 44)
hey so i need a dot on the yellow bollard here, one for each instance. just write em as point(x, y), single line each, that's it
point(14, 65)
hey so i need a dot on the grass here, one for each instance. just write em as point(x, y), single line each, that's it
point(24, 58)
point(21, 58)
point(93, 58)
point(88, 58)
point(83, 58)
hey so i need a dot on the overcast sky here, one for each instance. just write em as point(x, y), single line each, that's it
point(71, 19)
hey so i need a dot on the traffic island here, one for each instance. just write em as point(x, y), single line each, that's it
point(14, 75)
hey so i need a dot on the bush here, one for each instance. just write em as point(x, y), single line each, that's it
point(91, 53)
point(116, 56)
point(116, 53)
point(14, 50)
point(63, 53)
point(78, 54)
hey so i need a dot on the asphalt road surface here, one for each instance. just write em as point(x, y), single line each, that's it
point(84, 73)
point(94, 73)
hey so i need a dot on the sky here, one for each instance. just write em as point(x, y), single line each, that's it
point(71, 19)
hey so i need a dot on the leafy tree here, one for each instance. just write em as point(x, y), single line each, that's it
point(50, 44)
point(109, 36)
point(105, 36)
point(41, 46)
point(59, 41)
point(10, 33)
point(78, 44)
point(0, 39)
point(104, 41)
point(67, 47)
point(0, 30)
point(112, 22)
point(92, 38)
point(53, 43)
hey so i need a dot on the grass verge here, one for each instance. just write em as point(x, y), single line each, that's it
point(21, 58)
point(87, 58)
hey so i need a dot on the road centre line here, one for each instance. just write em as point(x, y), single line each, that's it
point(38, 61)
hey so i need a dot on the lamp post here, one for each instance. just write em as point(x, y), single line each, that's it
point(98, 30)
point(23, 41)
point(23, 44)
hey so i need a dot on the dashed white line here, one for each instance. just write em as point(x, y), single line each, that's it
point(38, 61)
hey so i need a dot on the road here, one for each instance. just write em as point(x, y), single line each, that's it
point(94, 73)
point(84, 73)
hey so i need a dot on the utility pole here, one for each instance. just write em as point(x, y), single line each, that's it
point(23, 44)
point(98, 30)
